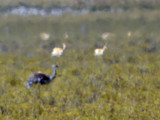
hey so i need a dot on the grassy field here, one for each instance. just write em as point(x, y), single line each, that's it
point(123, 84)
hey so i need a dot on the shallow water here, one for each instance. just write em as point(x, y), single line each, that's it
point(27, 11)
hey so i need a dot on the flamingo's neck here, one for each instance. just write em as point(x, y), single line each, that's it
point(64, 46)
point(104, 48)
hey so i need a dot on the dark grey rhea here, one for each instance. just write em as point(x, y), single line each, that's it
point(41, 78)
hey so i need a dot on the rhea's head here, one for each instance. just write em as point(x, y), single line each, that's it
point(54, 66)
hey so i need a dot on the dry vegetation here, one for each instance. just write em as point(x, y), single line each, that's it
point(122, 84)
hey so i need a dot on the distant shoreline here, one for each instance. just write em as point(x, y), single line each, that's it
point(27, 11)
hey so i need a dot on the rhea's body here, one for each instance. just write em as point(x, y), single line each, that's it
point(41, 78)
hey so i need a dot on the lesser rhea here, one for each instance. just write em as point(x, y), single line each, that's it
point(41, 78)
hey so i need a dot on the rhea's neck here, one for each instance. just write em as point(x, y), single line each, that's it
point(53, 75)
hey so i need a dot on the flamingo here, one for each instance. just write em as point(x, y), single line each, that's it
point(58, 51)
point(44, 36)
point(100, 51)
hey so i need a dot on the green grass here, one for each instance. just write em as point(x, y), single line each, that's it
point(122, 84)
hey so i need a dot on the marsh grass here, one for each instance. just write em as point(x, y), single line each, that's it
point(121, 84)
